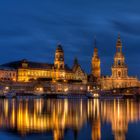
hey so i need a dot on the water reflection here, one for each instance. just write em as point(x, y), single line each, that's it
point(56, 117)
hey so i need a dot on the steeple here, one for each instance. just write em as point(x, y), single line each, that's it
point(96, 72)
point(119, 44)
point(95, 54)
point(119, 68)
point(75, 64)
point(59, 57)
point(76, 61)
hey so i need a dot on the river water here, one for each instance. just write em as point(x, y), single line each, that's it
point(56, 119)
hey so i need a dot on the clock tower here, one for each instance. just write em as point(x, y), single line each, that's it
point(96, 70)
point(119, 68)
point(59, 58)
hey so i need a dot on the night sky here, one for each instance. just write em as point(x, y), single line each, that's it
point(32, 29)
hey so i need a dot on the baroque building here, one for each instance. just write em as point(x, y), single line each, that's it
point(119, 77)
point(57, 72)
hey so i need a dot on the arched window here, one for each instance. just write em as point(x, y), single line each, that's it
point(61, 66)
point(119, 62)
point(119, 74)
point(61, 57)
point(56, 65)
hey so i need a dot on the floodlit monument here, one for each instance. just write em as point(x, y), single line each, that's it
point(119, 77)
point(95, 75)
point(27, 71)
point(96, 70)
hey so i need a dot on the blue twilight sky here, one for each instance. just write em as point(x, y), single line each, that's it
point(31, 29)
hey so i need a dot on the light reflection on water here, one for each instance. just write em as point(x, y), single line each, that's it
point(69, 119)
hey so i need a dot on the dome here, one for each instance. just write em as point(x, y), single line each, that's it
point(59, 48)
point(24, 60)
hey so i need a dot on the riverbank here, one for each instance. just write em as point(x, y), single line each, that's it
point(72, 96)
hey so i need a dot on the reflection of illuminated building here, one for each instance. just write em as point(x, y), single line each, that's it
point(96, 120)
point(43, 115)
point(96, 130)
point(119, 114)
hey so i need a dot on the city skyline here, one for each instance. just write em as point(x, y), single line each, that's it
point(32, 30)
point(69, 69)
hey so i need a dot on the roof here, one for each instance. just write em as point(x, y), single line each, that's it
point(59, 48)
point(31, 64)
point(76, 66)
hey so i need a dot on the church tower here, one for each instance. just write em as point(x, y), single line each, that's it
point(119, 68)
point(96, 70)
point(59, 58)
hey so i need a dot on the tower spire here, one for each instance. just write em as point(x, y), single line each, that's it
point(119, 44)
point(119, 62)
point(119, 35)
point(95, 62)
point(76, 61)
point(59, 57)
point(95, 53)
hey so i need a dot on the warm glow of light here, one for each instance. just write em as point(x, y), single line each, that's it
point(7, 88)
point(42, 115)
point(66, 89)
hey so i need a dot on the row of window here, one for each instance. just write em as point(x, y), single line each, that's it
point(66, 77)
point(7, 74)
point(35, 73)
point(120, 85)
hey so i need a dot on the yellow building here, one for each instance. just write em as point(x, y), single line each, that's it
point(119, 77)
point(29, 71)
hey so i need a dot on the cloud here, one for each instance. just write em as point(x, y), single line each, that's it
point(128, 24)
point(32, 29)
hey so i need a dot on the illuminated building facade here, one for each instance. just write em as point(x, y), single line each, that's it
point(96, 70)
point(30, 71)
point(95, 76)
point(7, 74)
point(59, 58)
point(119, 77)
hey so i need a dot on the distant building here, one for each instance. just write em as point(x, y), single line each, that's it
point(96, 70)
point(94, 77)
point(7, 74)
point(59, 58)
point(119, 77)
point(57, 72)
